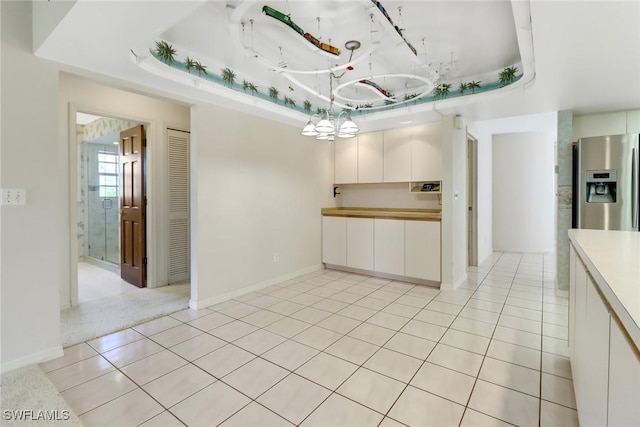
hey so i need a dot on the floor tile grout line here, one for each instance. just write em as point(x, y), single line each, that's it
point(380, 310)
point(361, 366)
point(481, 364)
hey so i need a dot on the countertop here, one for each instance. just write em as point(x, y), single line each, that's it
point(613, 260)
point(410, 214)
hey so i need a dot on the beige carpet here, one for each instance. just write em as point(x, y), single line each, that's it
point(103, 316)
point(26, 392)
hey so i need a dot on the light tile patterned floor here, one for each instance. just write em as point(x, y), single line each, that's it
point(338, 349)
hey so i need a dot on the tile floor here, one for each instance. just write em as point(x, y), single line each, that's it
point(338, 349)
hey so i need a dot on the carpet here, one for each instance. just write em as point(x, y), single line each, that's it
point(29, 399)
point(103, 316)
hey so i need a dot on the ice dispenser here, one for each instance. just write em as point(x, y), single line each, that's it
point(601, 186)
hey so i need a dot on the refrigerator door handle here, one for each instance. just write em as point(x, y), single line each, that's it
point(634, 189)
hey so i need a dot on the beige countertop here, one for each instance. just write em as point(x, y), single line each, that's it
point(383, 213)
point(613, 260)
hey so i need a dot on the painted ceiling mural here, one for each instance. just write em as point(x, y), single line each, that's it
point(363, 56)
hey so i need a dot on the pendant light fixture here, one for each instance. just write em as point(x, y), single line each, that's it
point(324, 126)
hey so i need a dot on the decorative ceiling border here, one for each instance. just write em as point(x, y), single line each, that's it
point(161, 60)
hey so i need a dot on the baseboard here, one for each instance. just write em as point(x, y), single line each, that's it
point(526, 251)
point(38, 357)
point(385, 275)
point(198, 305)
point(454, 286)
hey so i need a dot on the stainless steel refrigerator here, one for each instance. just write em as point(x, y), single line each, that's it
point(606, 187)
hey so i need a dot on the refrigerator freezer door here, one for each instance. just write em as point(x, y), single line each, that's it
point(618, 154)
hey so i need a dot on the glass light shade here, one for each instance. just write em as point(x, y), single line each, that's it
point(324, 126)
point(309, 129)
point(324, 137)
point(346, 134)
point(349, 127)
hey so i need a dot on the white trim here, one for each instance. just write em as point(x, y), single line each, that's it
point(38, 357)
point(153, 129)
point(198, 305)
point(400, 278)
point(449, 287)
point(527, 251)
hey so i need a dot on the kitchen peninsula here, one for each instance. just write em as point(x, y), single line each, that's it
point(400, 244)
point(604, 325)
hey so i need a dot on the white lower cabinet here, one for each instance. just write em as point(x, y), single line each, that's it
point(334, 240)
point(422, 250)
point(624, 380)
point(389, 246)
point(360, 243)
point(595, 348)
point(572, 301)
point(605, 364)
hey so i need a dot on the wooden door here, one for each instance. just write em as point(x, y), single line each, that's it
point(132, 207)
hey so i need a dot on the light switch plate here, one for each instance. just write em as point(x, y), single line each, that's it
point(14, 196)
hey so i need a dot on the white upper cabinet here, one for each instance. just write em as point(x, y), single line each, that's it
point(346, 161)
point(426, 153)
point(397, 155)
point(633, 121)
point(370, 153)
point(599, 125)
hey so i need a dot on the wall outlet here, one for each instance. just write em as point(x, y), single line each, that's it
point(14, 196)
point(276, 256)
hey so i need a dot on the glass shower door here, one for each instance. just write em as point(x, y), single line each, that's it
point(103, 203)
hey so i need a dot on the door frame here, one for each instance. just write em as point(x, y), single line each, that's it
point(153, 130)
point(472, 200)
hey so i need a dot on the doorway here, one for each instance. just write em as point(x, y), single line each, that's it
point(472, 200)
point(99, 216)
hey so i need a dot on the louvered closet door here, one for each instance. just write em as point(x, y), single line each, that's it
point(179, 253)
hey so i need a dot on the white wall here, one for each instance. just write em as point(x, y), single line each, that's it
point(258, 188)
point(454, 204)
point(80, 94)
point(34, 256)
point(385, 195)
point(524, 192)
point(483, 131)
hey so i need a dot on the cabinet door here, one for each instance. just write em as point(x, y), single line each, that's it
point(624, 380)
point(334, 240)
point(422, 250)
point(345, 161)
point(593, 404)
point(599, 124)
point(572, 301)
point(360, 243)
point(388, 248)
point(580, 333)
point(633, 121)
point(370, 152)
point(397, 155)
point(426, 153)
